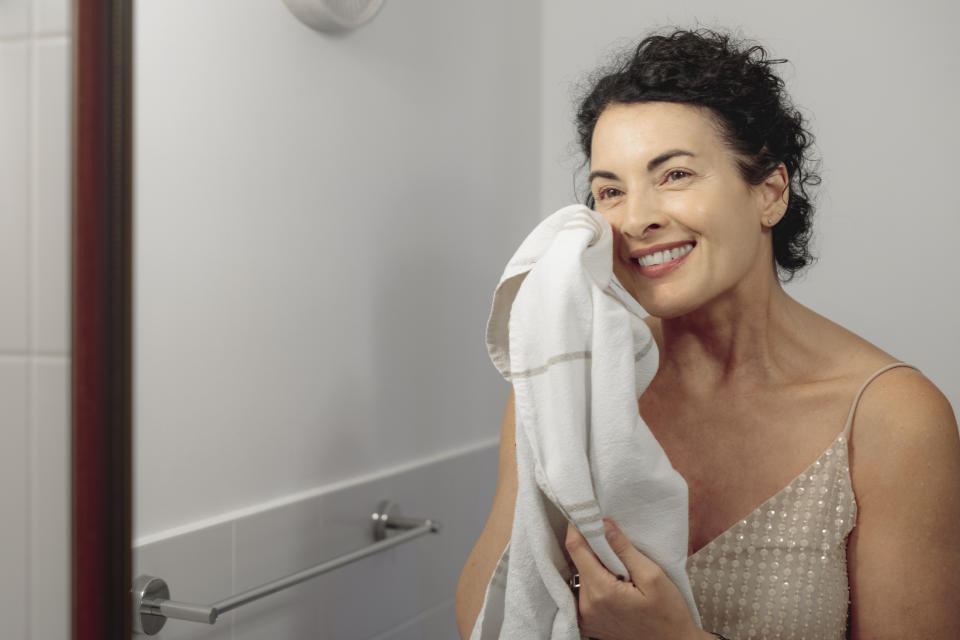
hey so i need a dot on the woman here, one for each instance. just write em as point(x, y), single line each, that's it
point(821, 472)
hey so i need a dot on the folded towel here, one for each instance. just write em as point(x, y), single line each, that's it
point(571, 340)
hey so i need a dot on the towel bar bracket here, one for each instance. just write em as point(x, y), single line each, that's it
point(148, 589)
point(151, 595)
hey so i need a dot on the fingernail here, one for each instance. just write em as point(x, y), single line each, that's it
point(609, 529)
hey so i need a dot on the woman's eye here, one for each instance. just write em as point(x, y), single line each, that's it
point(607, 192)
point(676, 174)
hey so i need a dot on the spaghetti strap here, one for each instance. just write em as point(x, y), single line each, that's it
point(856, 399)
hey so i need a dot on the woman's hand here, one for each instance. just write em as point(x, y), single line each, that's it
point(646, 604)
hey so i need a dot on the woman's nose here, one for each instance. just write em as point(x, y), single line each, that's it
point(640, 217)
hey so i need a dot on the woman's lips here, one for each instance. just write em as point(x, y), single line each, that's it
point(660, 263)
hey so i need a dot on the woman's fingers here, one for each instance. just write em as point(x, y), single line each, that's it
point(588, 566)
point(647, 606)
point(644, 572)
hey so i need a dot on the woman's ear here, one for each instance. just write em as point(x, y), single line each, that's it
point(774, 192)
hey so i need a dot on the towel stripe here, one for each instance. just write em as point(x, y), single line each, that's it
point(644, 350)
point(592, 533)
point(592, 513)
point(499, 577)
point(580, 522)
point(567, 357)
point(563, 357)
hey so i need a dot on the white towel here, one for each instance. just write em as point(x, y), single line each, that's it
point(571, 340)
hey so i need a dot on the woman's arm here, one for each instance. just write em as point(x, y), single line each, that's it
point(493, 540)
point(904, 553)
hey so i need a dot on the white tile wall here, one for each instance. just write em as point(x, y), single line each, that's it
point(14, 18)
point(404, 593)
point(49, 496)
point(51, 16)
point(34, 319)
point(13, 496)
point(14, 194)
point(51, 193)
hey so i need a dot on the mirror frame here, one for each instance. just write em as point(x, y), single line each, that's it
point(101, 329)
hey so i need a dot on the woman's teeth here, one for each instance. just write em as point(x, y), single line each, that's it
point(664, 256)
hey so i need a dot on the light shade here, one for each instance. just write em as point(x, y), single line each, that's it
point(334, 15)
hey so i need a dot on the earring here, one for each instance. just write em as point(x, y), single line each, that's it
point(769, 222)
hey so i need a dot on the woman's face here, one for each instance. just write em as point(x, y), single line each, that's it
point(688, 230)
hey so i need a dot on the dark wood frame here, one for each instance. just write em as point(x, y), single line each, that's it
point(101, 327)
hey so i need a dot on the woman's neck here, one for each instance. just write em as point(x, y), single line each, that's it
point(740, 341)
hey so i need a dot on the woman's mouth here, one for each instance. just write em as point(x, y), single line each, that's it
point(661, 262)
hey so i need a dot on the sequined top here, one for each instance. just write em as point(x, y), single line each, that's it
point(781, 572)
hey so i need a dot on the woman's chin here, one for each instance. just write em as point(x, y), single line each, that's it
point(662, 306)
point(664, 302)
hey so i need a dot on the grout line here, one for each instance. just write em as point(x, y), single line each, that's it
point(233, 575)
point(50, 357)
point(32, 212)
point(46, 36)
point(43, 37)
point(34, 355)
point(33, 457)
point(30, 487)
point(348, 483)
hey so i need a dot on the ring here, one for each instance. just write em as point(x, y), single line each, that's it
point(574, 583)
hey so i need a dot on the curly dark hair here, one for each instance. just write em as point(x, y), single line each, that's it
point(757, 119)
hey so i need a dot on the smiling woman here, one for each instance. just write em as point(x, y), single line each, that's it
point(680, 209)
point(795, 436)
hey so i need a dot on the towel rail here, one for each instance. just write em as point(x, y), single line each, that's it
point(151, 596)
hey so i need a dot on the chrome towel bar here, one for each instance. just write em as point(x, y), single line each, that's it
point(151, 596)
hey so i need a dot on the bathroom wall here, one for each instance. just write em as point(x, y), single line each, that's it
point(35, 41)
point(320, 223)
point(878, 81)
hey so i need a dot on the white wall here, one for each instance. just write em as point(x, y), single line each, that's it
point(35, 42)
point(320, 222)
point(879, 81)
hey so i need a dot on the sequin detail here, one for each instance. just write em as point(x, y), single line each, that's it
point(781, 572)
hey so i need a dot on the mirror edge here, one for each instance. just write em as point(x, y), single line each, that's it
point(101, 307)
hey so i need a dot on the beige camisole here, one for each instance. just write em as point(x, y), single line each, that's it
point(781, 572)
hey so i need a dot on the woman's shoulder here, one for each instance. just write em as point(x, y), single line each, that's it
point(901, 418)
point(901, 409)
point(895, 390)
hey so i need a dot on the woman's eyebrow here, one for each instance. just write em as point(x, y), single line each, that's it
point(666, 155)
point(609, 175)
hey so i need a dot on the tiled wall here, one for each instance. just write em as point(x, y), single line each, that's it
point(404, 593)
point(34, 325)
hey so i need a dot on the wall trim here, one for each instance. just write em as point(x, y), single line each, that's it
point(300, 496)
